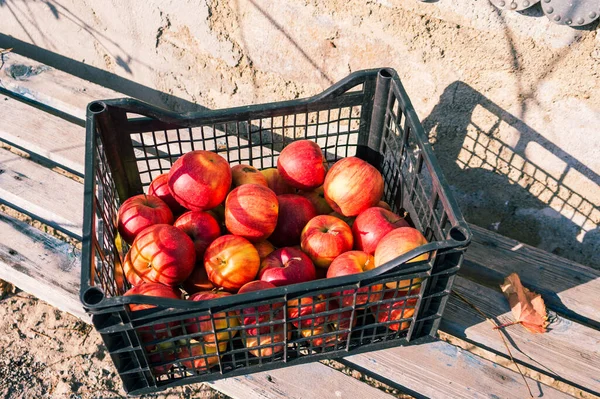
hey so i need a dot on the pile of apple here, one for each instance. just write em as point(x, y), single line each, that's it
point(239, 230)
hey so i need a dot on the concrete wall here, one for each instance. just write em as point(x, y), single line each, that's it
point(511, 101)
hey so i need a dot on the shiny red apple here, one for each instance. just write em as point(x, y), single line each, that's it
point(251, 212)
point(252, 316)
point(246, 174)
point(392, 311)
point(223, 321)
point(276, 182)
point(371, 225)
point(294, 212)
point(302, 165)
point(286, 266)
point(200, 180)
point(139, 212)
point(231, 261)
point(159, 187)
point(353, 185)
point(353, 262)
point(324, 238)
point(201, 227)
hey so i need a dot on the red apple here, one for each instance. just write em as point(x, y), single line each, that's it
point(324, 238)
point(302, 165)
point(200, 180)
point(201, 227)
point(160, 330)
point(231, 261)
point(160, 188)
point(391, 311)
point(139, 212)
point(307, 306)
point(384, 205)
point(197, 281)
point(264, 248)
point(223, 321)
point(398, 242)
point(163, 254)
point(348, 219)
point(286, 266)
point(131, 274)
point(353, 185)
point(204, 354)
point(276, 182)
point(268, 341)
point(262, 313)
point(353, 262)
point(246, 174)
point(317, 198)
point(251, 212)
point(335, 323)
point(372, 225)
point(294, 212)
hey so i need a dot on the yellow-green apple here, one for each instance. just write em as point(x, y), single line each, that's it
point(317, 197)
point(223, 321)
point(201, 227)
point(159, 330)
point(372, 225)
point(267, 345)
point(309, 306)
point(348, 219)
point(324, 238)
point(139, 212)
point(261, 314)
point(204, 355)
point(200, 180)
point(276, 182)
point(398, 242)
point(159, 187)
point(390, 311)
point(163, 254)
point(231, 261)
point(246, 174)
point(197, 281)
point(353, 262)
point(286, 266)
point(251, 212)
point(294, 212)
point(337, 322)
point(264, 248)
point(302, 165)
point(353, 185)
point(159, 354)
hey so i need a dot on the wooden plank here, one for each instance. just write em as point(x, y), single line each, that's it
point(568, 288)
point(38, 191)
point(49, 86)
point(442, 370)
point(313, 380)
point(569, 351)
point(43, 135)
point(40, 264)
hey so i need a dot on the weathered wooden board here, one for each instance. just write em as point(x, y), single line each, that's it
point(42, 135)
point(314, 380)
point(569, 351)
point(40, 264)
point(53, 87)
point(38, 191)
point(441, 370)
point(567, 287)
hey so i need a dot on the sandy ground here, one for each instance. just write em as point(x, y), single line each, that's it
point(46, 353)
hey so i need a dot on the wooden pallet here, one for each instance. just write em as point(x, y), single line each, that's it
point(42, 115)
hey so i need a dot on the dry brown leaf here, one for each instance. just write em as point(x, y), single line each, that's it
point(528, 307)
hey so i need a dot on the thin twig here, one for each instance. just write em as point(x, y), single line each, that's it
point(87, 334)
point(41, 333)
point(496, 327)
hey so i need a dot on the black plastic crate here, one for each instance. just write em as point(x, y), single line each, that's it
point(368, 115)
